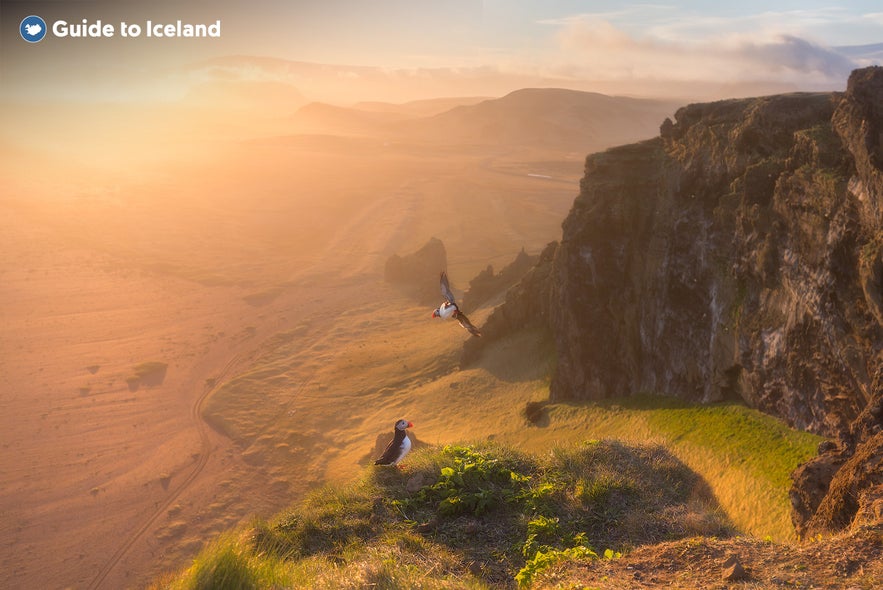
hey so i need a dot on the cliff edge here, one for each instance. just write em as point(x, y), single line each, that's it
point(739, 255)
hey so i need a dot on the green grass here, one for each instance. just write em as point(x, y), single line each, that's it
point(228, 565)
point(736, 433)
point(479, 516)
point(746, 457)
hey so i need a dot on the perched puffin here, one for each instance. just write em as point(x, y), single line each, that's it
point(398, 447)
point(449, 309)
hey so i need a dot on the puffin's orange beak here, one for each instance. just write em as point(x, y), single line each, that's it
point(410, 425)
point(435, 313)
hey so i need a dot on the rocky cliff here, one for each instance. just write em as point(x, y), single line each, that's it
point(723, 259)
point(416, 274)
point(486, 284)
point(738, 255)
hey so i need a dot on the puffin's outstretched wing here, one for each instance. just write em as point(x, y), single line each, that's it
point(446, 288)
point(464, 321)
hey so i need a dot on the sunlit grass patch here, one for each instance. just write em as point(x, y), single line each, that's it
point(746, 457)
point(228, 565)
point(463, 516)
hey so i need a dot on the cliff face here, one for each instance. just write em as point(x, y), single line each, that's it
point(417, 273)
point(737, 255)
point(526, 305)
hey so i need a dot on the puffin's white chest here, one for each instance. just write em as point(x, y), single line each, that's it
point(446, 310)
point(403, 449)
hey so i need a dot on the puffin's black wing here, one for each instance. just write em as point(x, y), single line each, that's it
point(446, 288)
point(391, 452)
point(464, 321)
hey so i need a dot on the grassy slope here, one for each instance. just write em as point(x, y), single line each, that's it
point(348, 378)
point(476, 516)
point(328, 390)
point(745, 456)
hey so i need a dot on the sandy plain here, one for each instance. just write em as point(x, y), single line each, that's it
point(254, 273)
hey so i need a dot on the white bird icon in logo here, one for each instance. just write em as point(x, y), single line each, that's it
point(33, 30)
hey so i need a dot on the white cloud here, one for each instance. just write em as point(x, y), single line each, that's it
point(698, 49)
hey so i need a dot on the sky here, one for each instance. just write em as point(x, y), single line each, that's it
point(634, 47)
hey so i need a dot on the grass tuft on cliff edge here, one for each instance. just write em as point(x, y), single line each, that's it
point(467, 516)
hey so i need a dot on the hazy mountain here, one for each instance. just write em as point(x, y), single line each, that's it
point(548, 117)
point(318, 117)
point(542, 117)
point(422, 108)
point(242, 93)
point(339, 83)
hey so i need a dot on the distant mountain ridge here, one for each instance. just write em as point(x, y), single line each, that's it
point(318, 117)
point(551, 116)
point(327, 82)
point(425, 107)
point(541, 117)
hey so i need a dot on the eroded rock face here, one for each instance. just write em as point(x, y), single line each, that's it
point(738, 255)
point(849, 474)
point(526, 305)
point(417, 273)
point(843, 486)
point(487, 284)
point(734, 256)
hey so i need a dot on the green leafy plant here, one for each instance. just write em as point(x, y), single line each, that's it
point(543, 560)
point(540, 529)
point(540, 497)
point(474, 484)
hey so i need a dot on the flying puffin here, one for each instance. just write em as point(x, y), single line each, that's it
point(449, 309)
point(398, 447)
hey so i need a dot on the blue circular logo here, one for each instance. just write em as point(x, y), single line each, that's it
point(32, 29)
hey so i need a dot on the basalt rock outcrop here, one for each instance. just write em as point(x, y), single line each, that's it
point(487, 284)
point(739, 255)
point(524, 306)
point(843, 486)
point(416, 273)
